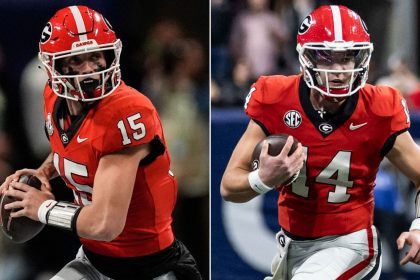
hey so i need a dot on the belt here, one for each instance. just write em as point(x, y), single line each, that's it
point(299, 238)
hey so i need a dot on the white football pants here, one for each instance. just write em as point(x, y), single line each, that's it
point(353, 256)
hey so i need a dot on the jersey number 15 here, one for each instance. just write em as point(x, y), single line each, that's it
point(138, 127)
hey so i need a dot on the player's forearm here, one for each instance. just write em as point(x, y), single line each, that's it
point(405, 155)
point(96, 225)
point(47, 168)
point(235, 187)
point(93, 221)
point(105, 218)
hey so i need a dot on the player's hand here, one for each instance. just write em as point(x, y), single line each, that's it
point(274, 170)
point(28, 200)
point(15, 177)
point(412, 238)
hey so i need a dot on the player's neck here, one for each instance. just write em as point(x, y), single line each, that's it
point(319, 103)
point(75, 107)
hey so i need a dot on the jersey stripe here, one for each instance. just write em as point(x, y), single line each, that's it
point(338, 29)
point(81, 28)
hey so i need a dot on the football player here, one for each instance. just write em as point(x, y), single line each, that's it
point(107, 144)
point(345, 127)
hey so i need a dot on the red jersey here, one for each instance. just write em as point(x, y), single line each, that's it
point(334, 191)
point(126, 118)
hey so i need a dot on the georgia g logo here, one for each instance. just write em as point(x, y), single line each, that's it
point(325, 128)
point(304, 26)
point(46, 33)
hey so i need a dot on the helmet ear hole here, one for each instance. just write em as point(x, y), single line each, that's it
point(109, 57)
point(58, 66)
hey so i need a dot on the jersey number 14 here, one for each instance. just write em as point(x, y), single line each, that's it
point(339, 165)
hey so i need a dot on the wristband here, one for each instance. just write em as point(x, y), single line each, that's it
point(44, 209)
point(256, 184)
point(59, 214)
point(415, 225)
point(64, 215)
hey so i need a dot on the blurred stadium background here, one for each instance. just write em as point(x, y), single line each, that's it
point(165, 55)
point(246, 46)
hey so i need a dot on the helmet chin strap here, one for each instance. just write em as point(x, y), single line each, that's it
point(333, 99)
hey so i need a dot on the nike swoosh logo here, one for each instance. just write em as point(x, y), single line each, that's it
point(354, 127)
point(80, 140)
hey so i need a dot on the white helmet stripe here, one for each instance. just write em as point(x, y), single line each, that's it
point(81, 28)
point(338, 28)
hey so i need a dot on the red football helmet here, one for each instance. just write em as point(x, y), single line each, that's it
point(334, 35)
point(78, 30)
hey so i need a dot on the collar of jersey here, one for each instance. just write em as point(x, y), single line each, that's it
point(335, 120)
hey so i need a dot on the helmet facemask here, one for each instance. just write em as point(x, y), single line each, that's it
point(78, 86)
point(320, 61)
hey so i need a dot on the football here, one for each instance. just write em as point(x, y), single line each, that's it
point(276, 144)
point(21, 229)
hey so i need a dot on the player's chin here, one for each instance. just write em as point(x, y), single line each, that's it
point(336, 99)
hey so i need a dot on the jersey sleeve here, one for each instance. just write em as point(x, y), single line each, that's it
point(254, 102)
point(401, 115)
point(263, 99)
point(390, 104)
point(128, 126)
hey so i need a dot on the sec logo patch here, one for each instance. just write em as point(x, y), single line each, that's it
point(292, 119)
